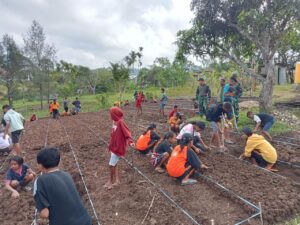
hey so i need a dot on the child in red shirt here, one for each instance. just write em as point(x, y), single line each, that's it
point(173, 112)
point(120, 137)
point(138, 104)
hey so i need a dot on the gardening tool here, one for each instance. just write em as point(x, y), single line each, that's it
point(222, 149)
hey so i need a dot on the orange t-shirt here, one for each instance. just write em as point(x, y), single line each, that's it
point(143, 141)
point(174, 120)
point(177, 161)
point(54, 105)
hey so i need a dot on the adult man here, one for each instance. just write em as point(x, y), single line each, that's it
point(222, 85)
point(15, 125)
point(203, 95)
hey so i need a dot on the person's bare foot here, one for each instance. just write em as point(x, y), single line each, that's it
point(117, 183)
point(159, 169)
point(107, 184)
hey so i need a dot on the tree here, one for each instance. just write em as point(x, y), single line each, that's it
point(12, 63)
point(41, 55)
point(121, 75)
point(238, 30)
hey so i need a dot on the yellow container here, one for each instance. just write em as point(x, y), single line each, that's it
point(297, 73)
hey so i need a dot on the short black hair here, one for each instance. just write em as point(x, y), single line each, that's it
point(227, 106)
point(6, 107)
point(249, 113)
point(175, 106)
point(247, 131)
point(163, 89)
point(18, 159)
point(201, 125)
point(201, 79)
point(48, 157)
point(169, 134)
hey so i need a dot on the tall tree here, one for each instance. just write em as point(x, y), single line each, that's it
point(12, 63)
point(239, 29)
point(40, 54)
point(121, 75)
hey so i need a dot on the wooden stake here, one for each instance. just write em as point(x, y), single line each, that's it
point(261, 216)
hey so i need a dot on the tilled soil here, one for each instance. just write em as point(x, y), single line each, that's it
point(279, 197)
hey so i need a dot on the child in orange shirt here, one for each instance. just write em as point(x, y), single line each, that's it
point(184, 162)
point(174, 122)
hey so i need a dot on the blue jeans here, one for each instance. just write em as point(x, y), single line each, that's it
point(268, 125)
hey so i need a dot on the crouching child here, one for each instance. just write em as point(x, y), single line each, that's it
point(184, 163)
point(163, 152)
point(18, 176)
point(147, 141)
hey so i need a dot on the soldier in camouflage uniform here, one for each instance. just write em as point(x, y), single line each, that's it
point(203, 95)
point(237, 89)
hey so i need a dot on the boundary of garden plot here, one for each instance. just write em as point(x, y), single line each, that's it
point(258, 210)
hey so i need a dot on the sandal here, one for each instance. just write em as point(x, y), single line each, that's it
point(188, 182)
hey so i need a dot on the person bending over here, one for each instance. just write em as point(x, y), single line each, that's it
point(163, 151)
point(147, 140)
point(183, 162)
point(19, 175)
point(263, 121)
point(259, 150)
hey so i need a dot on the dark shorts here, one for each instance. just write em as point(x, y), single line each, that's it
point(267, 126)
point(55, 113)
point(66, 109)
point(5, 150)
point(15, 136)
point(162, 105)
point(259, 159)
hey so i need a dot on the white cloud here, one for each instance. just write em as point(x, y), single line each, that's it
point(94, 32)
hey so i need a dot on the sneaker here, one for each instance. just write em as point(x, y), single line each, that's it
point(27, 188)
point(229, 141)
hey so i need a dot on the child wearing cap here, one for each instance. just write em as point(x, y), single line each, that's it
point(183, 162)
point(147, 140)
point(259, 150)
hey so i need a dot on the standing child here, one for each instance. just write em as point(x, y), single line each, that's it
point(163, 102)
point(184, 162)
point(55, 194)
point(263, 121)
point(120, 137)
point(55, 108)
point(138, 104)
point(147, 140)
point(19, 175)
point(163, 152)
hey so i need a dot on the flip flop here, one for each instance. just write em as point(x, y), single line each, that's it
point(188, 182)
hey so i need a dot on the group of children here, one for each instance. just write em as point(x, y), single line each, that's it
point(54, 108)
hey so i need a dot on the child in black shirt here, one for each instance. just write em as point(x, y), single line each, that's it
point(55, 193)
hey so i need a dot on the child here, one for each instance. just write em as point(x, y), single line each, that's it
point(138, 104)
point(77, 105)
point(120, 137)
point(55, 194)
point(19, 175)
point(147, 141)
point(163, 102)
point(50, 108)
point(214, 115)
point(183, 162)
point(263, 121)
point(194, 128)
point(163, 151)
point(259, 150)
point(173, 112)
point(5, 143)
point(126, 103)
point(33, 118)
point(55, 107)
point(174, 122)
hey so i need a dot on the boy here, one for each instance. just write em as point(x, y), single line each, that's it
point(214, 115)
point(65, 104)
point(203, 95)
point(163, 102)
point(55, 107)
point(14, 125)
point(174, 111)
point(259, 150)
point(5, 143)
point(77, 105)
point(163, 151)
point(174, 122)
point(55, 194)
point(263, 121)
point(120, 137)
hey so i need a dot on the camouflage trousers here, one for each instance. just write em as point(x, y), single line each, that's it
point(202, 104)
point(236, 108)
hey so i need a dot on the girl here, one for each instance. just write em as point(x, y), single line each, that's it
point(19, 174)
point(138, 104)
point(147, 140)
point(120, 137)
point(184, 162)
point(163, 151)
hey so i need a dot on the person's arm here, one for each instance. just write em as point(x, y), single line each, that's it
point(202, 142)
point(44, 213)
point(6, 129)
point(14, 192)
point(250, 146)
point(257, 120)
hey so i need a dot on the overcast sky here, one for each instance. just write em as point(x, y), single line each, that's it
point(94, 32)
